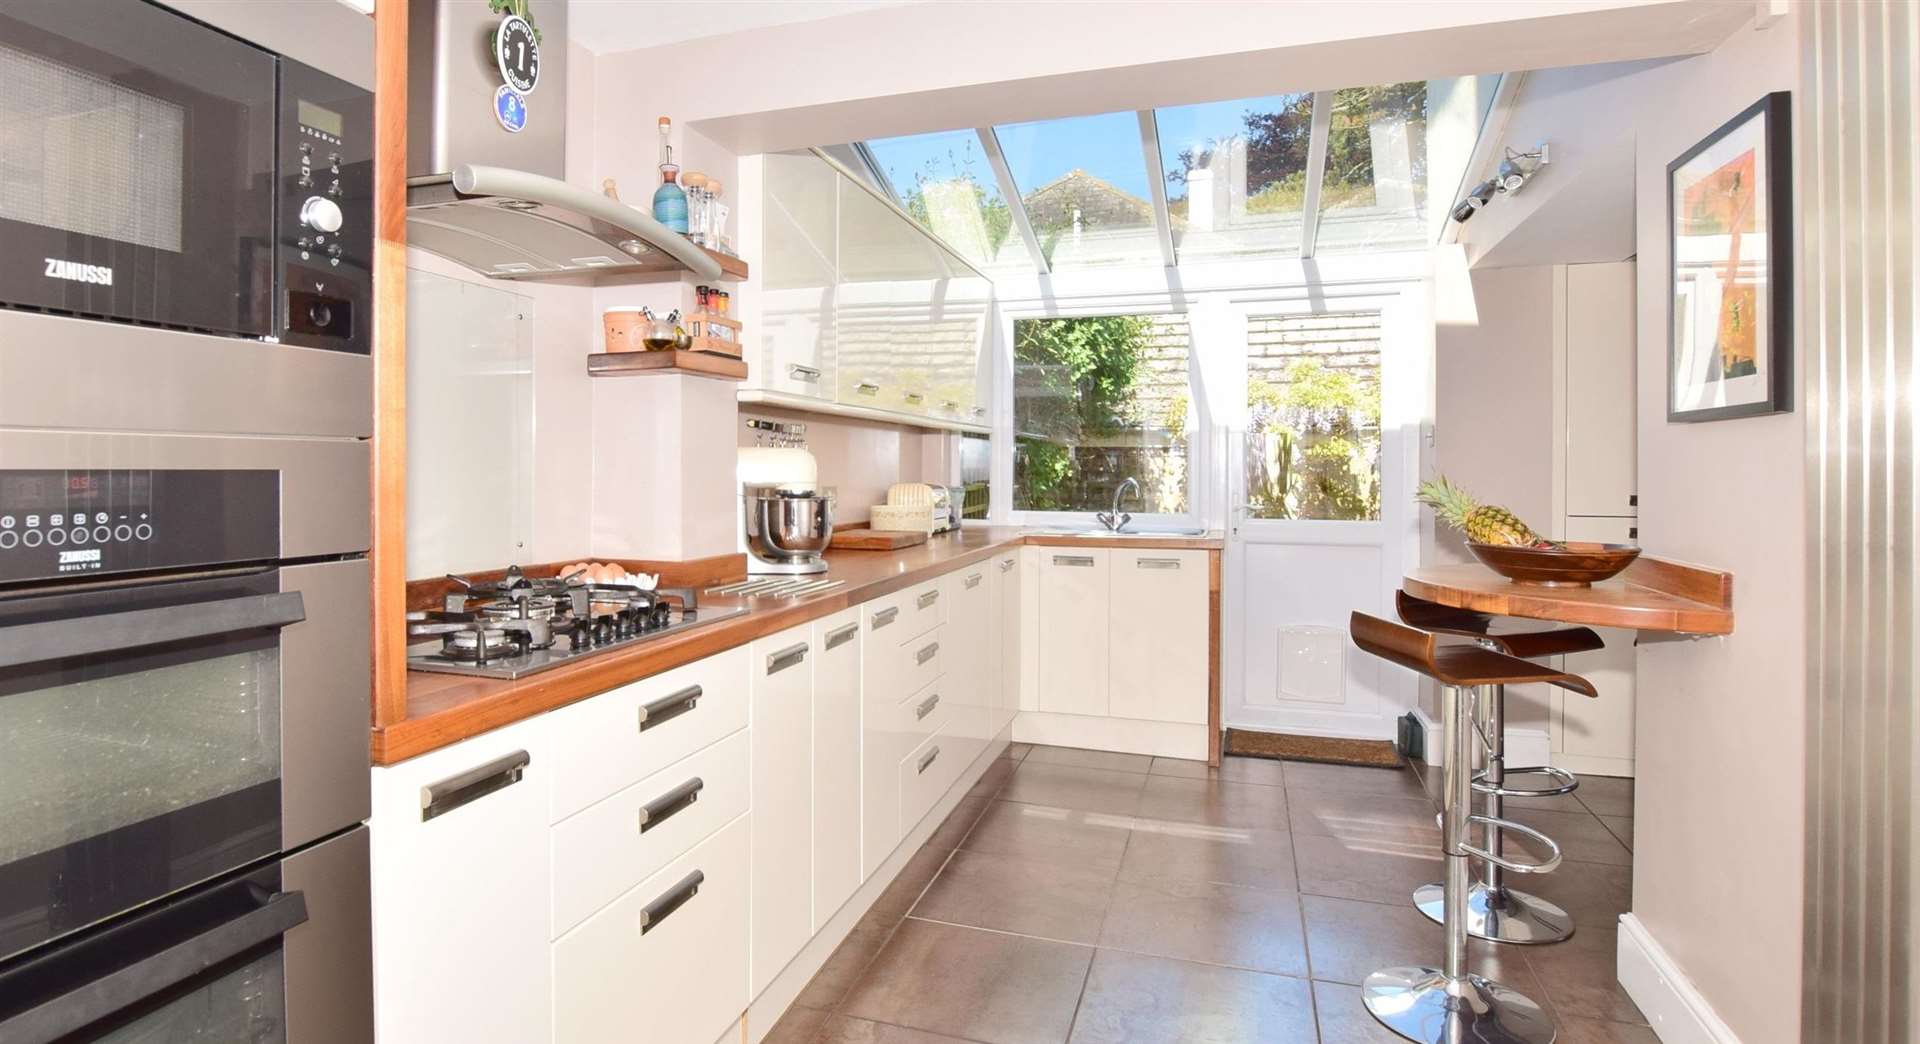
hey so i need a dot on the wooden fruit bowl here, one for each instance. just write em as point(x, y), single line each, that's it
point(1574, 565)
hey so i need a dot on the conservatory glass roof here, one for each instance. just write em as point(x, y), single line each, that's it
point(1289, 175)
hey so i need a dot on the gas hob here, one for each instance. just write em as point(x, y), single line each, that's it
point(522, 625)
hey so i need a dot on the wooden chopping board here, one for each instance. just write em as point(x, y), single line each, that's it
point(858, 537)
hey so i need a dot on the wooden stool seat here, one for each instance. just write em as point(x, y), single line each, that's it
point(1513, 637)
point(1461, 664)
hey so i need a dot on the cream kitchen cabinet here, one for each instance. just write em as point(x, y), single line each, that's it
point(1073, 633)
point(1600, 407)
point(970, 671)
point(789, 313)
point(461, 882)
point(1006, 624)
point(782, 770)
point(1159, 643)
point(836, 763)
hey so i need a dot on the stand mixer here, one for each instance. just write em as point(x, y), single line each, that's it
point(786, 519)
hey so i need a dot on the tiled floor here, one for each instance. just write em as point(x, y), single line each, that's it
point(1077, 896)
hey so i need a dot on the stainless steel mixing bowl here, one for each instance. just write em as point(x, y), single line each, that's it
point(787, 524)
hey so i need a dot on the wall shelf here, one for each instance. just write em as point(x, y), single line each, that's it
point(643, 364)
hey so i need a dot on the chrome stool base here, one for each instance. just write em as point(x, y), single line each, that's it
point(1509, 917)
point(1416, 1003)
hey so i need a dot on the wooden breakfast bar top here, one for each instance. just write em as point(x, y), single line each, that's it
point(1653, 594)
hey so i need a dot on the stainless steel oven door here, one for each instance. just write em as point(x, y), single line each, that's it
point(280, 954)
point(137, 153)
point(157, 735)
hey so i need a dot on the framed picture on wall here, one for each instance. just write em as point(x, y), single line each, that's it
point(1730, 269)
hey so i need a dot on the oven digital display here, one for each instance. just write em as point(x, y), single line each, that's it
point(326, 121)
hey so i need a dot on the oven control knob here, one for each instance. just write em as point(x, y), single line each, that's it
point(321, 213)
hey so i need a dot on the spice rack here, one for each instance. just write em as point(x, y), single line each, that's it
point(714, 334)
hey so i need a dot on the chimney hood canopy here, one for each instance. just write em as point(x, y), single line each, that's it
point(512, 224)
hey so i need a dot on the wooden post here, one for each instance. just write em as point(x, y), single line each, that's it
point(389, 553)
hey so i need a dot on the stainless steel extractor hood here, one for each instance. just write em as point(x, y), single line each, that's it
point(494, 200)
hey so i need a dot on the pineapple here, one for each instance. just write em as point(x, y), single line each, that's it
point(1482, 523)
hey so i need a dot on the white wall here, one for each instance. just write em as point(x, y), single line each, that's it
point(1719, 738)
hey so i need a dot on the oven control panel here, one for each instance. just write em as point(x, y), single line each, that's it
point(325, 211)
point(82, 522)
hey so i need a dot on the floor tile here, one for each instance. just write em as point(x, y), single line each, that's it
point(1596, 1031)
point(1581, 837)
point(1595, 894)
point(1018, 895)
point(1166, 850)
point(1249, 928)
point(1344, 1019)
point(1606, 795)
point(843, 1030)
point(1365, 818)
point(1353, 779)
point(1063, 836)
point(1135, 999)
point(994, 778)
point(1018, 751)
point(1098, 759)
point(1348, 940)
point(985, 986)
point(1064, 786)
point(1377, 871)
point(1556, 803)
point(1232, 769)
point(954, 828)
point(1578, 977)
point(1215, 804)
point(798, 1026)
point(830, 984)
point(905, 889)
point(1621, 827)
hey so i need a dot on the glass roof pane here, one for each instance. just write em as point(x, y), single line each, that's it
point(1084, 183)
point(1386, 145)
point(946, 183)
point(1236, 175)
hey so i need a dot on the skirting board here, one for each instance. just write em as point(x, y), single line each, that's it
point(1524, 746)
point(766, 1009)
point(1164, 739)
point(1671, 1003)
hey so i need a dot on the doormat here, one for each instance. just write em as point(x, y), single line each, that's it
point(1281, 746)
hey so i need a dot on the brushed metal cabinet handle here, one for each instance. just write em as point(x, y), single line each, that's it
point(657, 911)
point(785, 658)
point(927, 653)
point(929, 598)
point(1073, 560)
point(914, 397)
point(885, 616)
point(666, 708)
point(926, 707)
point(974, 580)
point(438, 799)
point(867, 388)
point(1157, 563)
point(1007, 566)
point(927, 761)
point(670, 804)
point(949, 404)
point(842, 635)
point(803, 373)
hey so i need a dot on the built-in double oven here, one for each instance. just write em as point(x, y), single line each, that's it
point(185, 408)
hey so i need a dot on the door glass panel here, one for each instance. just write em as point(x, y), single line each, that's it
point(1098, 400)
point(247, 1005)
point(1312, 442)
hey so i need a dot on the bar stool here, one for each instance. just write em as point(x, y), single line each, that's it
point(1449, 1004)
point(1494, 911)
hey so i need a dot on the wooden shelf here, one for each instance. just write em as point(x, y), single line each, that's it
point(1654, 594)
point(641, 364)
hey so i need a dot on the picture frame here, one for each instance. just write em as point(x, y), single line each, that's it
point(1730, 269)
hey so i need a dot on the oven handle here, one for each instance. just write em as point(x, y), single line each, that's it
point(87, 636)
point(118, 990)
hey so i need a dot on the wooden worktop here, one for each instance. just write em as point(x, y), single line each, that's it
point(445, 708)
point(1654, 594)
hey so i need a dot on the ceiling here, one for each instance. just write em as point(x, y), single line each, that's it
point(609, 26)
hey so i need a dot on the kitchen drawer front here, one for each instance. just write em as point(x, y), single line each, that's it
point(926, 774)
point(881, 622)
point(922, 608)
point(603, 850)
point(667, 961)
point(909, 722)
point(607, 743)
point(920, 661)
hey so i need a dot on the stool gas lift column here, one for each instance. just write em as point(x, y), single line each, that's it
point(1495, 911)
point(1449, 1004)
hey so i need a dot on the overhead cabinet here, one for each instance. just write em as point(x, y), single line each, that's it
point(854, 308)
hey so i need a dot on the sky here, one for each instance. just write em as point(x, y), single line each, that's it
point(1106, 146)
